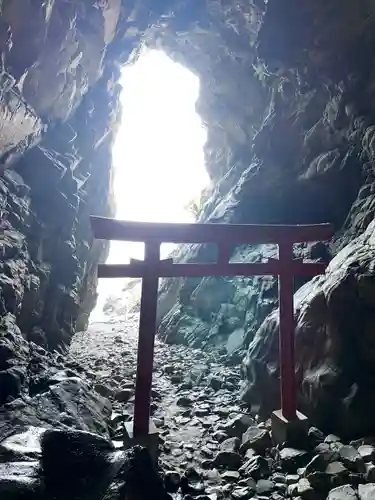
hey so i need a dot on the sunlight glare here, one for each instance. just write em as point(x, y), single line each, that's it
point(157, 156)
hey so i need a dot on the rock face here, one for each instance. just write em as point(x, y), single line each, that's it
point(303, 154)
point(287, 98)
point(59, 105)
point(334, 344)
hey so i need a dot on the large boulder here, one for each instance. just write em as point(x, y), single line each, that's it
point(334, 345)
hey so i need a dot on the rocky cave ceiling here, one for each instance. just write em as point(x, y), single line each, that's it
point(287, 97)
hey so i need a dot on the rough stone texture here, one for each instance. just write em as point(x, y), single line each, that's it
point(287, 96)
point(334, 344)
point(58, 109)
point(305, 155)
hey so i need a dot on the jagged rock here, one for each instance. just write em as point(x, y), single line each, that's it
point(367, 452)
point(256, 467)
point(230, 444)
point(124, 395)
point(336, 469)
point(20, 480)
point(344, 492)
point(351, 458)
point(291, 459)
point(305, 490)
point(227, 459)
point(320, 481)
point(238, 425)
point(264, 486)
point(370, 472)
point(103, 390)
point(242, 493)
point(184, 401)
point(68, 401)
point(340, 290)
point(172, 481)
point(230, 476)
point(366, 491)
point(255, 438)
point(298, 149)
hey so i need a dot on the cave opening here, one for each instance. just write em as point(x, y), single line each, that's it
point(158, 161)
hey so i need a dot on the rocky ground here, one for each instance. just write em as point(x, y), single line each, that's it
point(65, 440)
point(210, 448)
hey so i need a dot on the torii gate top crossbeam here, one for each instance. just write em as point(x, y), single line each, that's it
point(235, 234)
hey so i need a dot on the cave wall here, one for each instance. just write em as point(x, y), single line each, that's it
point(305, 155)
point(289, 141)
point(59, 111)
point(287, 98)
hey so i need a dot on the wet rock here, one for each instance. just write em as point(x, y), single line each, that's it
point(292, 478)
point(257, 467)
point(22, 444)
point(193, 489)
point(220, 436)
point(103, 390)
point(278, 477)
point(255, 438)
point(316, 436)
point(305, 490)
point(370, 472)
point(366, 491)
point(238, 425)
point(291, 459)
point(176, 378)
point(184, 401)
point(336, 469)
point(316, 464)
point(20, 480)
point(10, 384)
point(124, 395)
point(332, 438)
point(351, 458)
point(71, 398)
point(320, 481)
point(230, 444)
point(192, 474)
point(169, 369)
point(367, 452)
point(206, 451)
point(81, 456)
point(215, 382)
point(264, 486)
point(242, 493)
point(230, 476)
point(344, 492)
point(172, 481)
point(228, 459)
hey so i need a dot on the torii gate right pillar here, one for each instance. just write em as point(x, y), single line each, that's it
point(288, 425)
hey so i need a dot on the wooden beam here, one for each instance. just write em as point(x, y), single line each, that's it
point(236, 234)
point(168, 270)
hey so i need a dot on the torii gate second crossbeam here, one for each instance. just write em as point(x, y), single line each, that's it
point(226, 237)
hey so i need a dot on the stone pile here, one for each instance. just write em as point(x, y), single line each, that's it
point(210, 447)
point(64, 438)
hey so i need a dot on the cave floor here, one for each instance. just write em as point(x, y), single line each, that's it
point(210, 448)
point(194, 394)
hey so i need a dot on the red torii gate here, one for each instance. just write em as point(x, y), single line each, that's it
point(226, 236)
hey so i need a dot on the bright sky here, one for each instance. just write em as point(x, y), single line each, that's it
point(158, 153)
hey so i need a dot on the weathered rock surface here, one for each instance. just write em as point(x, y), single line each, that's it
point(288, 103)
point(307, 158)
point(195, 460)
point(334, 364)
